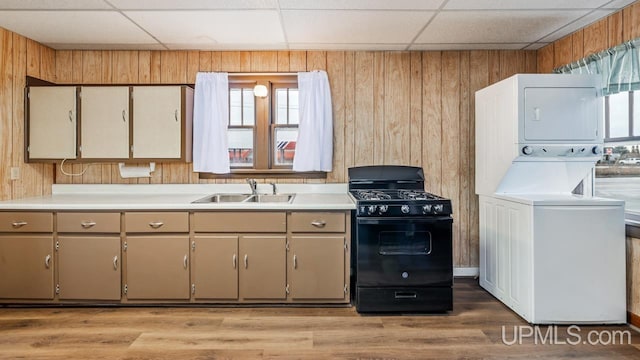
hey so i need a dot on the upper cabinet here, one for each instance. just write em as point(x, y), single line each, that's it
point(104, 127)
point(52, 124)
point(114, 123)
point(159, 131)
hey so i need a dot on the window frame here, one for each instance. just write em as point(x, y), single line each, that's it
point(274, 125)
point(242, 86)
point(264, 130)
point(607, 122)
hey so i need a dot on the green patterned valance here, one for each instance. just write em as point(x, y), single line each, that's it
point(618, 67)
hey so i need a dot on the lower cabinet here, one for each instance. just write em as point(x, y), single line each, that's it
point(317, 267)
point(263, 274)
point(215, 267)
point(26, 267)
point(89, 267)
point(157, 267)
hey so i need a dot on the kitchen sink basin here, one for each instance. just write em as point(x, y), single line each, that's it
point(269, 198)
point(222, 198)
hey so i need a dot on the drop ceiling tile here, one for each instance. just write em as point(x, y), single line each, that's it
point(206, 27)
point(523, 4)
point(353, 47)
point(361, 4)
point(352, 27)
point(67, 27)
point(576, 25)
point(53, 4)
point(475, 46)
point(228, 46)
point(76, 46)
point(193, 4)
point(495, 26)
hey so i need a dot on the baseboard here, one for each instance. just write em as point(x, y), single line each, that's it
point(633, 319)
point(466, 271)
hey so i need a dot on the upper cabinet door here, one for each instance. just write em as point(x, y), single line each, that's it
point(52, 122)
point(104, 122)
point(157, 122)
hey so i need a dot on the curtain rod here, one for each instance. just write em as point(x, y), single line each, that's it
point(261, 73)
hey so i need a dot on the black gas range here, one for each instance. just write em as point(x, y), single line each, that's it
point(403, 242)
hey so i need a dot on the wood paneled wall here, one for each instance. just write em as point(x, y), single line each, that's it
point(20, 57)
point(615, 29)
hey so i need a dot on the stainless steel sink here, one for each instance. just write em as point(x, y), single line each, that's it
point(222, 198)
point(269, 198)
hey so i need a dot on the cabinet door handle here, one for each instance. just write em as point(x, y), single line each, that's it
point(246, 261)
point(318, 223)
point(234, 259)
point(115, 262)
point(18, 224)
point(123, 116)
point(47, 261)
point(156, 224)
point(295, 261)
point(175, 115)
point(186, 261)
point(71, 115)
point(87, 224)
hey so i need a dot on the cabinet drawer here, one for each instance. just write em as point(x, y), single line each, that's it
point(26, 222)
point(245, 221)
point(317, 222)
point(153, 222)
point(89, 222)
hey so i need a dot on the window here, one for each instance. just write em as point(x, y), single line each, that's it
point(618, 172)
point(285, 124)
point(242, 120)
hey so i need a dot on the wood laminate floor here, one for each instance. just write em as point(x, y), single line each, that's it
point(472, 331)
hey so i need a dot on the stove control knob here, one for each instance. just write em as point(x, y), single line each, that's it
point(426, 209)
point(371, 209)
point(405, 209)
point(527, 150)
point(438, 208)
point(383, 209)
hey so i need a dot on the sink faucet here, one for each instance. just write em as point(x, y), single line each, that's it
point(273, 186)
point(253, 184)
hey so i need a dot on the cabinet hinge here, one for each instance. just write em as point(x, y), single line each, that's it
point(286, 246)
point(193, 245)
point(126, 288)
point(124, 246)
point(286, 289)
point(193, 288)
point(346, 247)
point(29, 94)
point(57, 288)
point(28, 148)
point(131, 148)
point(345, 288)
point(80, 148)
point(57, 245)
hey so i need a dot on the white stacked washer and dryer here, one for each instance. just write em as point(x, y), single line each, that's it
point(549, 249)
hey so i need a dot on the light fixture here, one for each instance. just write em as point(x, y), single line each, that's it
point(260, 91)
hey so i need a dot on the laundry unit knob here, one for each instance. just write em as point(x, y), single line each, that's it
point(596, 150)
point(527, 150)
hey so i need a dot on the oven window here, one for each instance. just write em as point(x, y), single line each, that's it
point(404, 243)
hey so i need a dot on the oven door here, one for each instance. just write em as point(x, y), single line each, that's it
point(404, 251)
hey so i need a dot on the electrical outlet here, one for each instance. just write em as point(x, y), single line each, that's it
point(15, 173)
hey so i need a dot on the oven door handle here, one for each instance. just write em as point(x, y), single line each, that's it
point(403, 220)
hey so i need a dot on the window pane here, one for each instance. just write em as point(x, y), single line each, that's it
point(248, 107)
point(285, 145)
point(240, 147)
point(293, 107)
point(636, 113)
point(619, 115)
point(235, 111)
point(281, 106)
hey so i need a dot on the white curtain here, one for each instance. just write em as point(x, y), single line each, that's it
point(314, 148)
point(210, 118)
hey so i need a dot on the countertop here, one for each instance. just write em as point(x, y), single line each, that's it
point(179, 197)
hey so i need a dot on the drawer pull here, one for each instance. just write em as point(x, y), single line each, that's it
point(87, 224)
point(406, 295)
point(18, 224)
point(246, 261)
point(115, 262)
point(185, 261)
point(47, 261)
point(156, 224)
point(295, 261)
point(234, 260)
point(319, 224)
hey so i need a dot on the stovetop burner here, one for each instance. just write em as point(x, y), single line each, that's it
point(401, 194)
